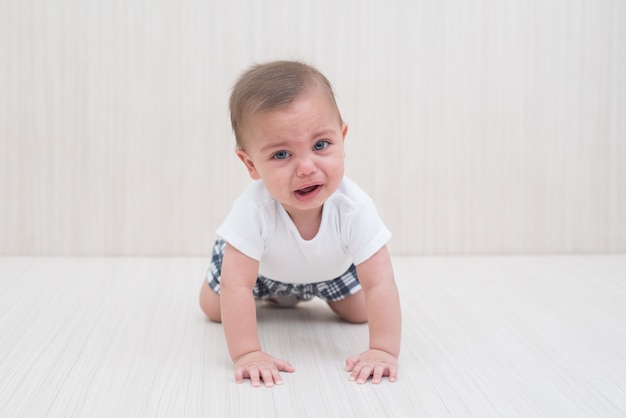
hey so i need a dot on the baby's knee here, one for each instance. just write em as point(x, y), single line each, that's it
point(210, 303)
point(351, 309)
point(354, 317)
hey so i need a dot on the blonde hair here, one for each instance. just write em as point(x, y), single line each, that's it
point(270, 86)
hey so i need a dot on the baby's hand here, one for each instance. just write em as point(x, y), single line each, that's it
point(375, 363)
point(258, 366)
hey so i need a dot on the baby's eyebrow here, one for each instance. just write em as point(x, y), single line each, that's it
point(274, 146)
point(323, 132)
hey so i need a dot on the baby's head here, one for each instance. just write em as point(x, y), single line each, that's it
point(290, 134)
point(271, 86)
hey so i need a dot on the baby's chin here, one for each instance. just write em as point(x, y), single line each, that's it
point(299, 206)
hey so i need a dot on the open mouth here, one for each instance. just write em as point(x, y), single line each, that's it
point(307, 194)
point(307, 190)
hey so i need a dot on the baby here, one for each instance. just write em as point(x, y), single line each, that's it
point(301, 229)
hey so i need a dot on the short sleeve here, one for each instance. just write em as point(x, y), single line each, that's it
point(246, 227)
point(365, 231)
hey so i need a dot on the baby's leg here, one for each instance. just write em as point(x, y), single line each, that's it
point(210, 303)
point(351, 309)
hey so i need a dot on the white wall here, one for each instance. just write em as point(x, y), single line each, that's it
point(478, 126)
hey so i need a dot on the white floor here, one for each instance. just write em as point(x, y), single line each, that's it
point(486, 336)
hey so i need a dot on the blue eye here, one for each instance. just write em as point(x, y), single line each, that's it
point(280, 155)
point(320, 145)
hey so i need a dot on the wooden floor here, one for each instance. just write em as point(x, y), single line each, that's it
point(486, 336)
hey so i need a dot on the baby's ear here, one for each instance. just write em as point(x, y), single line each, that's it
point(247, 161)
point(344, 130)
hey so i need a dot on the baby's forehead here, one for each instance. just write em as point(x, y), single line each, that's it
point(315, 91)
point(289, 116)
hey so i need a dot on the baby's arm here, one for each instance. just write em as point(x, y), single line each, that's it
point(239, 273)
point(384, 321)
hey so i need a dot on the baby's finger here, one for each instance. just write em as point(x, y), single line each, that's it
point(276, 377)
point(268, 377)
point(378, 373)
point(239, 372)
point(351, 362)
point(355, 369)
point(393, 373)
point(284, 366)
point(255, 378)
point(364, 374)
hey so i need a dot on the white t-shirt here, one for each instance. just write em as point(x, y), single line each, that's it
point(351, 231)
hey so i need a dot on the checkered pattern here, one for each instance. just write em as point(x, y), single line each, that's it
point(332, 290)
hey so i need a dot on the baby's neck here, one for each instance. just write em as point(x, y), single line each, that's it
point(307, 222)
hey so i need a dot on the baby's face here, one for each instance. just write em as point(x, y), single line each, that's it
point(297, 151)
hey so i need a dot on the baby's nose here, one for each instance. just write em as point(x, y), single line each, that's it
point(305, 167)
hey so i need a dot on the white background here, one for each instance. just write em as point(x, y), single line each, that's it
point(478, 126)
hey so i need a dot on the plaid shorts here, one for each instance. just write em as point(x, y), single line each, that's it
point(332, 290)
